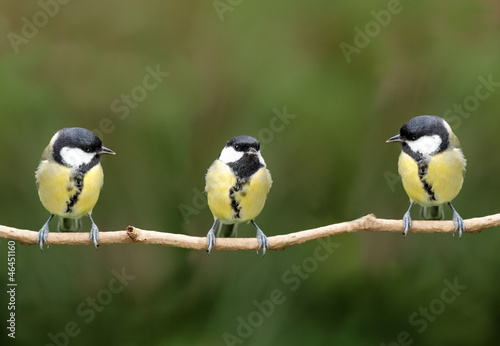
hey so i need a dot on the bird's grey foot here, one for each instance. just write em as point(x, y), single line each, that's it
point(407, 220)
point(459, 222)
point(94, 233)
point(43, 232)
point(261, 237)
point(211, 236)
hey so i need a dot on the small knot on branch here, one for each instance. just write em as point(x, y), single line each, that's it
point(132, 232)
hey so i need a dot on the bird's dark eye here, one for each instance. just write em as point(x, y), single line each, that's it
point(237, 147)
point(87, 150)
point(413, 138)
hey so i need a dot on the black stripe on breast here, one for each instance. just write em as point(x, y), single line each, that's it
point(423, 169)
point(232, 191)
point(77, 180)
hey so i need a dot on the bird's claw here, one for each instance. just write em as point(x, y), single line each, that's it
point(458, 221)
point(406, 223)
point(407, 220)
point(94, 235)
point(263, 242)
point(94, 232)
point(43, 233)
point(459, 224)
point(211, 235)
point(261, 237)
point(42, 237)
point(210, 240)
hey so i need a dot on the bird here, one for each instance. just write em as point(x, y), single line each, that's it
point(237, 184)
point(69, 179)
point(432, 167)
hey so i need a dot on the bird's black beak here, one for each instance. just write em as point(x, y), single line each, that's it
point(396, 138)
point(253, 151)
point(105, 150)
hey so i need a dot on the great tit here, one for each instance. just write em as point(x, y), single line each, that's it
point(431, 165)
point(237, 184)
point(69, 179)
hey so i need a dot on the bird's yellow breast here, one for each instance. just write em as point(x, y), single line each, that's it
point(249, 198)
point(445, 175)
point(56, 187)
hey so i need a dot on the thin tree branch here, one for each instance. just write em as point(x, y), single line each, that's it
point(133, 235)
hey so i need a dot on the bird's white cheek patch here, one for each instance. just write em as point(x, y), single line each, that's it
point(75, 157)
point(228, 155)
point(426, 145)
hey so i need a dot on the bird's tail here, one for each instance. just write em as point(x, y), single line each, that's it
point(432, 213)
point(69, 225)
point(227, 231)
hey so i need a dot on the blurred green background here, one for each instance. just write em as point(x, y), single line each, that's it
point(233, 66)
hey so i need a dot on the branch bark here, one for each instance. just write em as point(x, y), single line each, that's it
point(134, 235)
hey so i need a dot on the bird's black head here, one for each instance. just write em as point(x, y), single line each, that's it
point(77, 137)
point(242, 154)
point(423, 136)
point(77, 147)
point(244, 144)
point(423, 125)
